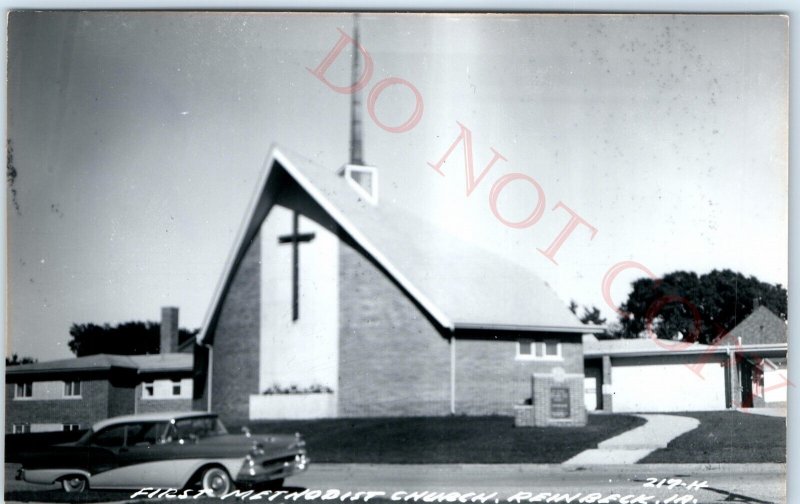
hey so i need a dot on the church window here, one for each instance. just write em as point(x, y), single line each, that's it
point(176, 387)
point(528, 349)
point(552, 348)
point(525, 348)
point(148, 390)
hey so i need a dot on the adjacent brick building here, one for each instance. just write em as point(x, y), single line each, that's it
point(72, 394)
point(363, 309)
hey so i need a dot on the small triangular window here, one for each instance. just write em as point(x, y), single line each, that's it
point(364, 179)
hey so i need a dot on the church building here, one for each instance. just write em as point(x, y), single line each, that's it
point(337, 303)
point(358, 308)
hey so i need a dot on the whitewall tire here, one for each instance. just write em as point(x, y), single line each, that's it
point(216, 481)
point(74, 484)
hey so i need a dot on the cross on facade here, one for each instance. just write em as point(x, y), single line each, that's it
point(296, 238)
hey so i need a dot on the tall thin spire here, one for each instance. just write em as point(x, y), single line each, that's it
point(356, 146)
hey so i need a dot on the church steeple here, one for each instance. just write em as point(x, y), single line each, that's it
point(356, 147)
point(363, 179)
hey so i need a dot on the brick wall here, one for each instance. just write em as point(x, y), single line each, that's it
point(160, 405)
point(392, 360)
point(490, 380)
point(395, 362)
point(121, 399)
point(92, 407)
point(235, 353)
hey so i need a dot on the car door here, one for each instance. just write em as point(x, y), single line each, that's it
point(147, 460)
point(142, 460)
point(103, 448)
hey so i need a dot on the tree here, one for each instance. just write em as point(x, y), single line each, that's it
point(590, 315)
point(697, 308)
point(127, 338)
point(16, 360)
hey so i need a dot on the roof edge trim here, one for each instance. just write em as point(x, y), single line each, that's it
point(587, 329)
point(705, 349)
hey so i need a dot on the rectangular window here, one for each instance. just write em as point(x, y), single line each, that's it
point(69, 427)
point(538, 350)
point(72, 389)
point(21, 428)
point(170, 389)
point(552, 348)
point(23, 390)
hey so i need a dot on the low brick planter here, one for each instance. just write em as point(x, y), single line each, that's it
point(292, 406)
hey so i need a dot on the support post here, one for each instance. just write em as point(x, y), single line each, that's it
point(453, 374)
point(607, 385)
point(210, 372)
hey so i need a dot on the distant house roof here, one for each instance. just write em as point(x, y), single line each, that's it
point(105, 362)
point(592, 347)
point(163, 362)
point(760, 327)
point(642, 347)
point(458, 284)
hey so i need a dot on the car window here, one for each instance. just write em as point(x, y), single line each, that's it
point(111, 437)
point(144, 434)
point(200, 427)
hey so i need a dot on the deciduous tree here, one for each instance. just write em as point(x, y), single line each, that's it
point(695, 307)
point(127, 338)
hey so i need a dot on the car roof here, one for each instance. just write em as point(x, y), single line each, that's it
point(149, 417)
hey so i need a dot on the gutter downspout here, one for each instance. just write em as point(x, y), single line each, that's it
point(452, 374)
point(210, 371)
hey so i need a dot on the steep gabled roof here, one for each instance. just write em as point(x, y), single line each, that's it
point(459, 285)
point(761, 326)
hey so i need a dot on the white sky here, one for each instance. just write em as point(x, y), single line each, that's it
point(138, 138)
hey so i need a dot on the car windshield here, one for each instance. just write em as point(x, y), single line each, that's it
point(195, 428)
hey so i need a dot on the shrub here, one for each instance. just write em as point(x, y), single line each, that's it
point(294, 389)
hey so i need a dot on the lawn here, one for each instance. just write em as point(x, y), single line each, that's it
point(727, 437)
point(441, 440)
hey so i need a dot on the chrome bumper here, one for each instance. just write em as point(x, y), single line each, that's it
point(254, 471)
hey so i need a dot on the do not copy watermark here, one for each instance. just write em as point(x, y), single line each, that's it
point(576, 227)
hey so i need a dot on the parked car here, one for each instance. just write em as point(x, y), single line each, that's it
point(166, 450)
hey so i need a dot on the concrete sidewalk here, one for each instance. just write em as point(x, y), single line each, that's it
point(632, 446)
